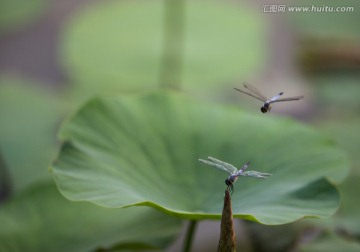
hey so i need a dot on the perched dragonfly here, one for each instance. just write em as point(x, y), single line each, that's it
point(266, 107)
point(233, 171)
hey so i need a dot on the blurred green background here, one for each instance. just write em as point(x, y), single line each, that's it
point(56, 54)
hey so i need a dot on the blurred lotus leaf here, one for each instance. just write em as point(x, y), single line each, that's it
point(345, 132)
point(118, 45)
point(144, 150)
point(29, 116)
point(42, 220)
point(329, 242)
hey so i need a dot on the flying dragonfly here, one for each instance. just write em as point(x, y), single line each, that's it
point(266, 107)
point(233, 171)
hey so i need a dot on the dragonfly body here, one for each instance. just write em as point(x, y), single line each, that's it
point(266, 107)
point(230, 181)
point(233, 171)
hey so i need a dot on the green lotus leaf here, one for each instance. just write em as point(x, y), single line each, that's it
point(118, 45)
point(42, 220)
point(346, 135)
point(345, 132)
point(328, 241)
point(144, 150)
point(29, 117)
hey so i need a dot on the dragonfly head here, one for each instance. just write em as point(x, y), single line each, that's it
point(229, 183)
point(266, 107)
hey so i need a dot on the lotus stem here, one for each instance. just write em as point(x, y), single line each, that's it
point(173, 44)
point(190, 235)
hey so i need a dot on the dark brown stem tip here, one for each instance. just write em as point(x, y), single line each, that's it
point(227, 233)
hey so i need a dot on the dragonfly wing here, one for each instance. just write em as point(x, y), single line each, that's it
point(255, 91)
point(256, 97)
point(256, 174)
point(218, 166)
point(295, 98)
point(232, 169)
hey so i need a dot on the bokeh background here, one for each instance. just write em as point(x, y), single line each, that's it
point(56, 54)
